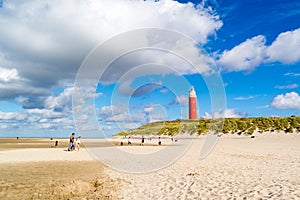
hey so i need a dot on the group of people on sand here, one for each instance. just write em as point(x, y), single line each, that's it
point(142, 142)
point(74, 143)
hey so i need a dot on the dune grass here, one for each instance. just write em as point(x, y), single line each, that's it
point(227, 125)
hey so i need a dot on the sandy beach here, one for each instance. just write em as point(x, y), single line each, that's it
point(239, 167)
point(265, 167)
point(32, 168)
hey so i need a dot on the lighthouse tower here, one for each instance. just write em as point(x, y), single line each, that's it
point(192, 104)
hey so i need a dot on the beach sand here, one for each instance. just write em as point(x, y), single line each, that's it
point(34, 169)
point(56, 180)
point(26, 143)
point(265, 167)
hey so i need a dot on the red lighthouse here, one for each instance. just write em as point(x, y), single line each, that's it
point(192, 104)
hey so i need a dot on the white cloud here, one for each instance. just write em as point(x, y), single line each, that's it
point(130, 126)
point(43, 121)
point(82, 119)
point(287, 101)
point(58, 39)
point(245, 56)
point(19, 89)
point(253, 52)
point(14, 116)
point(243, 98)
point(45, 113)
point(43, 43)
point(285, 48)
point(153, 113)
point(264, 106)
point(7, 75)
point(227, 113)
point(61, 101)
point(35, 119)
point(109, 111)
point(290, 86)
point(4, 126)
point(292, 74)
point(47, 126)
point(119, 113)
point(182, 100)
point(123, 117)
point(126, 89)
point(149, 109)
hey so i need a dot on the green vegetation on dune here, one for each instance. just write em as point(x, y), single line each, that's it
point(226, 126)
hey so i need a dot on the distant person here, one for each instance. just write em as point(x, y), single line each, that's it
point(71, 145)
point(56, 143)
point(143, 140)
point(159, 141)
point(129, 141)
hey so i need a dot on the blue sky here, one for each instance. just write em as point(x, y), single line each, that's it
point(254, 44)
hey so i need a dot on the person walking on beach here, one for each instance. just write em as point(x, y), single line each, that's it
point(159, 141)
point(71, 145)
point(56, 143)
point(129, 141)
point(143, 140)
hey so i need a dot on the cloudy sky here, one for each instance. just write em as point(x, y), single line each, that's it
point(253, 45)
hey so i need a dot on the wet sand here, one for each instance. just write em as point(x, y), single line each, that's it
point(25, 143)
